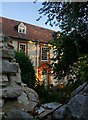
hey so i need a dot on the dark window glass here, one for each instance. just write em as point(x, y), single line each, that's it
point(44, 53)
point(23, 48)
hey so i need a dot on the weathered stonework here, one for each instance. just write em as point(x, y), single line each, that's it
point(13, 93)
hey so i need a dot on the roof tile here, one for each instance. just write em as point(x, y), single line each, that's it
point(35, 33)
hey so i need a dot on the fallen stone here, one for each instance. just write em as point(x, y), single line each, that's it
point(49, 108)
point(39, 110)
point(45, 113)
point(78, 106)
point(59, 113)
point(14, 114)
point(85, 91)
point(52, 105)
point(79, 89)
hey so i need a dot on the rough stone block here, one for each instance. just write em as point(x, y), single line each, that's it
point(4, 80)
point(7, 53)
point(26, 103)
point(8, 67)
point(15, 78)
point(11, 92)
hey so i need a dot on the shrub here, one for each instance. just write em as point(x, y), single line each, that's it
point(49, 94)
point(41, 89)
point(27, 70)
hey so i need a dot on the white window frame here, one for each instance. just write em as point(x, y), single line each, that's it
point(22, 28)
point(42, 52)
point(24, 45)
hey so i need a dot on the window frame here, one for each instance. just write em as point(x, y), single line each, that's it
point(25, 47)
point(42, 53)
point(22, 28)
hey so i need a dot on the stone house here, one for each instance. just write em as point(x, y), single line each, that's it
point(34, 41)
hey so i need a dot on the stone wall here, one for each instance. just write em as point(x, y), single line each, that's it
point(14, 93)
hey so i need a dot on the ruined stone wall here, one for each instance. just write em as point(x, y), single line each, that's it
point(14, 93)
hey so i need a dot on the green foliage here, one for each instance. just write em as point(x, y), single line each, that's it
point(72, 38)
point(67, 15)
point(65, 93)
point(41, 90)
point(27, 70)
point(66, 54)
point(40, 87)
point(83, 68)
point(71, 19)
point(71, 42)
point(44, 93)
point(55, 93)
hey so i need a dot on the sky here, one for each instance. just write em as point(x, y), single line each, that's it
point(24, 12)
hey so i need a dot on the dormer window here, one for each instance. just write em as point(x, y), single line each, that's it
point(22, 28)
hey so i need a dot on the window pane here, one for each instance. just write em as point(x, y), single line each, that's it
point(19, 30)
point(22, 30)
point(44, 53)
point(23, 48)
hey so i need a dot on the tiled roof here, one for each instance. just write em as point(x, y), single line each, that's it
point(33, 32)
